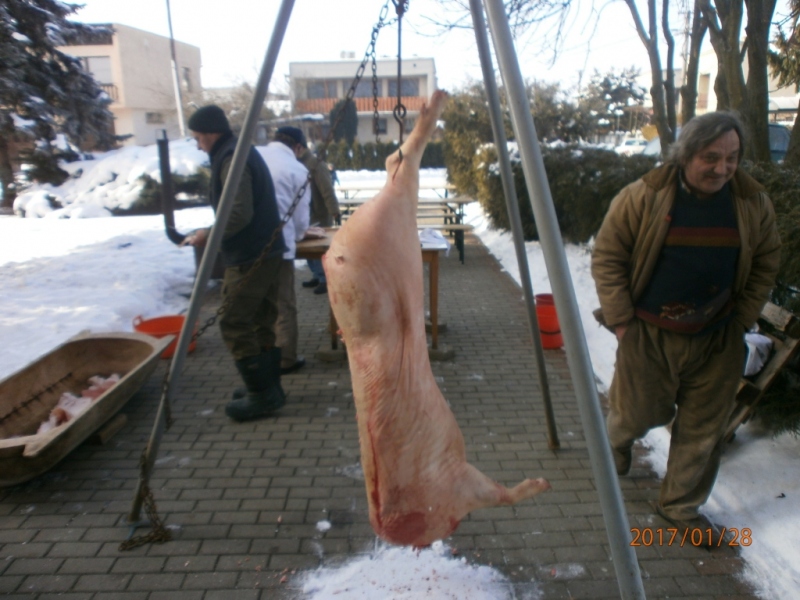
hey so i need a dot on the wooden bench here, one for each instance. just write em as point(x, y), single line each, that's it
point(783, 328)
point(456, 229)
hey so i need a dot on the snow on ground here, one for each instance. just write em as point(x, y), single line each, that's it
point(59, 276)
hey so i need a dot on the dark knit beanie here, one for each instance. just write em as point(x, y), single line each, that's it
point(209, 119)
point(293, 133)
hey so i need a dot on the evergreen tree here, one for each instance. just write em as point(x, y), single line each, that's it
point(347, 125)
point(613, 98)
point(44, 92)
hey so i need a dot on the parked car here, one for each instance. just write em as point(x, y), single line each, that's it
point(778, 142)
point(630, 147)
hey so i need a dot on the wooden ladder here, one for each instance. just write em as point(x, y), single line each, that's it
point(783, 328)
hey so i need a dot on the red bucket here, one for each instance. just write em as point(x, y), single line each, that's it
point(163, 326)
point(544, 300)
point(549, 327)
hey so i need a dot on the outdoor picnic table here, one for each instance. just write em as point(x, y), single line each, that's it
point(367, 189)
point(443, 214)
point(315, 248)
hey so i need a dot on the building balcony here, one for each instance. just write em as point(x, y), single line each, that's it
point(111, 90)
point(363, 105)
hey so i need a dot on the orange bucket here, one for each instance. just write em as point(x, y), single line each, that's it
point(544, 300)
point(163, 326)
point(549, 327)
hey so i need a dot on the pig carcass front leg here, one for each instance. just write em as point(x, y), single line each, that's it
point(419, 484)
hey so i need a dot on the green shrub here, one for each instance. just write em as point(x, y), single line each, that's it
point(371, 156)
point(149, 200)
point(779, 409)
point(582, 181)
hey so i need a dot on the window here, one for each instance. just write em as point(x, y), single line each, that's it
point(380, 126)
point(154, 118)
point(186, 76)
point(99, 67)
point(321, 88)
point(364, 89)
point(408, 87)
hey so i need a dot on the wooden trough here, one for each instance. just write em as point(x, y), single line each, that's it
point(28, 396)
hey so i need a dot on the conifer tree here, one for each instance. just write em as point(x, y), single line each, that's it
point(45, 92)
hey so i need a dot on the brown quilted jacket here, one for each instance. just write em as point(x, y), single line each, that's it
point(632, 234)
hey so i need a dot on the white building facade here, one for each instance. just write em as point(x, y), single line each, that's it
point(315, 87)
point(134, 67)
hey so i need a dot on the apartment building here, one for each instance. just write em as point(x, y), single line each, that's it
point(315, 87)
point(134, 67)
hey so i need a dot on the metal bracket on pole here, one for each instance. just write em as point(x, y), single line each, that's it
point(512, 205)
point(212, 247)
point(627, 568)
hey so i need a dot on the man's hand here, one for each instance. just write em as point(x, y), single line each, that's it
point(197, 238)
point(620, 331)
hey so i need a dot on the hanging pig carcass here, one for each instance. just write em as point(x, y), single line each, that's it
point(419, 484)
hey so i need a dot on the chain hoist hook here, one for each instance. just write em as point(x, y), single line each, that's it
point(399, 111)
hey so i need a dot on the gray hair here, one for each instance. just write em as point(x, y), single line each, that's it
point(702, 131)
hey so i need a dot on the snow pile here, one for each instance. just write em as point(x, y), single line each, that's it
point(109, 181)
point(405, 574)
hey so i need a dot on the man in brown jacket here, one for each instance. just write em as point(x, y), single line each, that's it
point(683, 263)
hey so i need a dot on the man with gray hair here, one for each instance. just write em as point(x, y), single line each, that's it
point(683, 263)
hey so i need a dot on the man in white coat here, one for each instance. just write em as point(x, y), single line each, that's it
point(288, 176)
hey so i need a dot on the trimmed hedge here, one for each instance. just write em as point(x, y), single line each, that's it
point(779, 409)
point(583, 181)
point(372, 156)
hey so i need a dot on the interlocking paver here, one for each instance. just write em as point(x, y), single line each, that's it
point(243, 500)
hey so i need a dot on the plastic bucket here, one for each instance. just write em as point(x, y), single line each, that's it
point(163, 326)
point(549, 327)
point(544, 300)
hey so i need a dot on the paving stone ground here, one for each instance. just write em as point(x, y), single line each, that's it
point(243, 500)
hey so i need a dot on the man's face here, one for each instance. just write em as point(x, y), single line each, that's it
point(712, 167)
point(205, 141)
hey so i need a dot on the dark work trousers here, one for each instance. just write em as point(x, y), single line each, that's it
point(286, 328)
point(248, 324)
point(661, 375)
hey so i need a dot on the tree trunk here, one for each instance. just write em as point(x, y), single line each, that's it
point(6, 173)
point(724, 25)
point(670, 97)
point(759, 20)
point(666, 129)
point(793, 152)
point(689, 90)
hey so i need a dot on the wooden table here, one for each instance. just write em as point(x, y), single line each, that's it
point(368, 189)
point(314, 249)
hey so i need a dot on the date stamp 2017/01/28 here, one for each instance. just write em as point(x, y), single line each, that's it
point(695, 536)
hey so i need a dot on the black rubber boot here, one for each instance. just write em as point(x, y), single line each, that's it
point(262, 378)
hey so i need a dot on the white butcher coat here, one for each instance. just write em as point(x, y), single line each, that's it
point(288, 176)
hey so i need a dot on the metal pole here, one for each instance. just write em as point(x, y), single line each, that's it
point(627, 568)
point(167, 194)
point(176, 82)
point(512, 205)
point(212, 247)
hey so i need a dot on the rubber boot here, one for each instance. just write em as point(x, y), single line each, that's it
point(262, 378)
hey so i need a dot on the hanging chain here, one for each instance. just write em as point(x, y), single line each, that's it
point(159, 533)
point(399, 112)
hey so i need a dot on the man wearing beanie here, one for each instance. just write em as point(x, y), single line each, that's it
point(248, 324)
point(324, 205)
